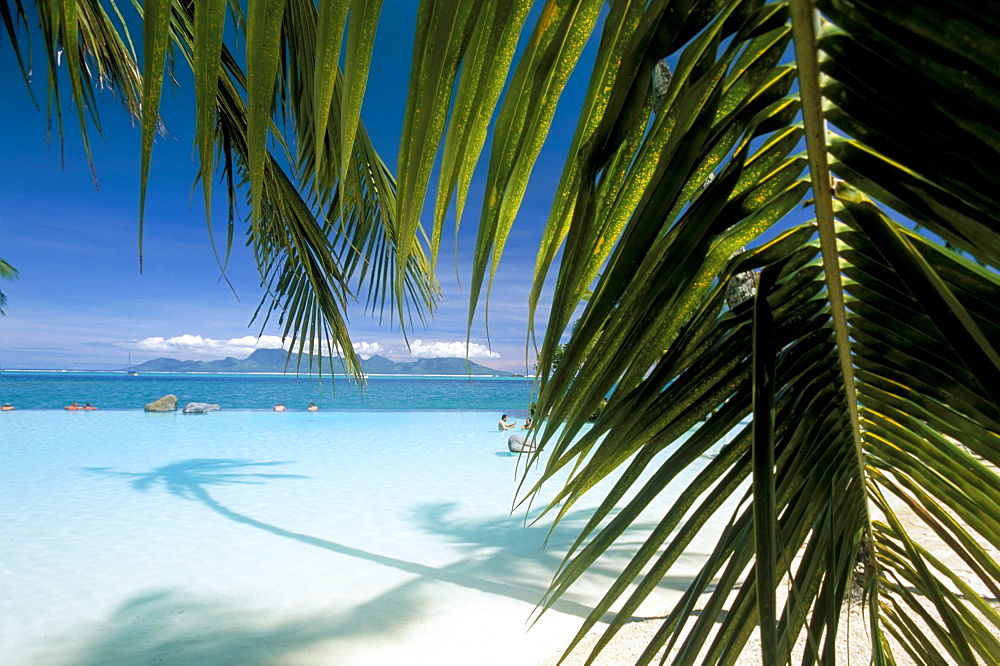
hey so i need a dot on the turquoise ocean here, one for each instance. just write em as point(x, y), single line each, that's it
point(119, 390)
point(383, 529)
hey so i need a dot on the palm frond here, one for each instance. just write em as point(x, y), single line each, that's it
point(915, 345)
point(856, 394)
point(322, 222)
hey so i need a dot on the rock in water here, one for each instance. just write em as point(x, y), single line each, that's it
point(200, 408)
point(167, 403)
point(517, 444)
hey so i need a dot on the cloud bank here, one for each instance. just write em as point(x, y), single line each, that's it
point(195, 347)
point(455, 349)
point(368, 349)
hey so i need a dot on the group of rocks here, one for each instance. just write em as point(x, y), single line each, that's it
point(168, 403)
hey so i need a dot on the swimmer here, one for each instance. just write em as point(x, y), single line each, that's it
point(279, 407)
point(504, 425)
point(312, 407)
point(88, 407)
point(73, 407)
point(6, 407)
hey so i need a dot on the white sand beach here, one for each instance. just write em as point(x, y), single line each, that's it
point(853, 646)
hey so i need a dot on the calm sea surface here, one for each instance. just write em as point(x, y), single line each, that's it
point(118, 390)
point(377, 531)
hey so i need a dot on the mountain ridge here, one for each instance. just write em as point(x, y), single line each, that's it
point(274, 360)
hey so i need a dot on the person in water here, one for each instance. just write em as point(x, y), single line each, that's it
point(527, 423)
point(503, 425)
point(312, 407)
point(73, 407)
point(279, 407)
point(6, 407)
point(88, 407)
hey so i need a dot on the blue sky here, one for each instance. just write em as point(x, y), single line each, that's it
point(81, 303)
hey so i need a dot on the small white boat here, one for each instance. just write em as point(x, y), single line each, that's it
point(128, 368)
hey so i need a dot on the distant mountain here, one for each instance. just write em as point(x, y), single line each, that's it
point(274, 360)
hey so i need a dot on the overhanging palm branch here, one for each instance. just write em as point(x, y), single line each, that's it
point(323, 230)
point(327, 231)
point(887, 402)
point(867, 358)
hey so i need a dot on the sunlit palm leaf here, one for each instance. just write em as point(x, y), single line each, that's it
point(679, 146)
point(484, 68)
point(522, 124)
point(442, 33)
point(360, 39)
point(312, 263)
point(353, 190)
point(156, 41)
point(209, 21)
point(330, 21)
point(264, 19)
point(652, 342)
point(886, 371)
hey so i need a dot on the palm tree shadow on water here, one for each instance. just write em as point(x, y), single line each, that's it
point(176, 627)
point(496, 563)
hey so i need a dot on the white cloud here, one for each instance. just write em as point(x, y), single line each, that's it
point(450, 350)
point(195, 347)
point(368, 349)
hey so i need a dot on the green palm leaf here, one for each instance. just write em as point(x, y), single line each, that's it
point(884, 401)
point(209, 22)
point(854, 397)
point(322, 230)
point(7, 272)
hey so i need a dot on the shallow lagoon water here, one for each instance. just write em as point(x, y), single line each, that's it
point(255, 537)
